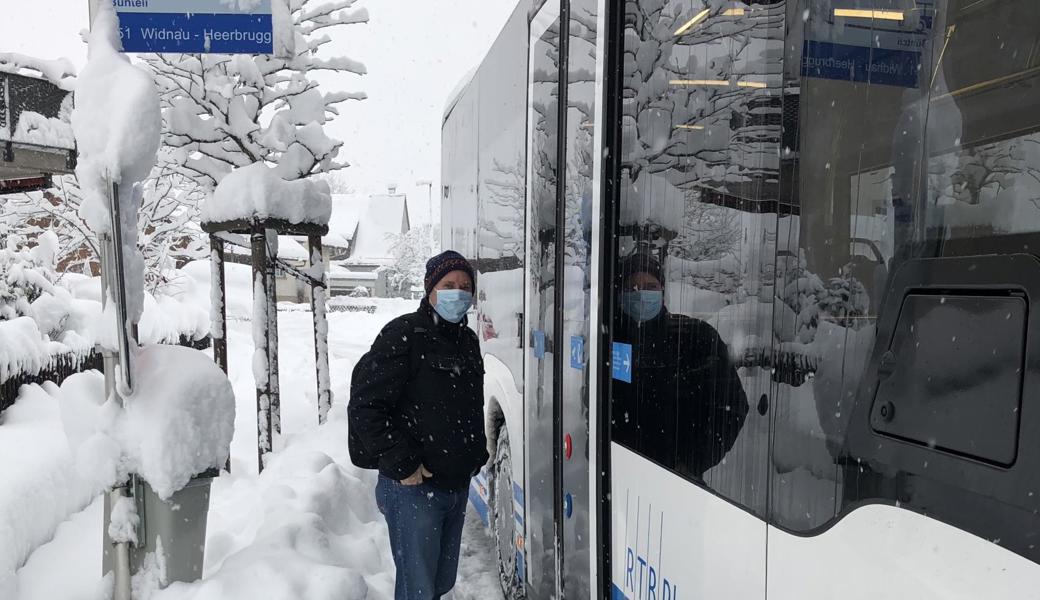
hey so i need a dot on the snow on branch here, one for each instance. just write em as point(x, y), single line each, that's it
point(225, 112)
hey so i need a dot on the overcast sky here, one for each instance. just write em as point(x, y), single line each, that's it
point(415, 51)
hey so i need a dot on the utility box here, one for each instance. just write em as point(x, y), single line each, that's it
point(178, 526)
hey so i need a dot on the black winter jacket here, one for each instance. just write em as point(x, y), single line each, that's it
point(417, 397)
point(685, 405)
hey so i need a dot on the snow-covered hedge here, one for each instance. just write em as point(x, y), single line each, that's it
point(47, 318)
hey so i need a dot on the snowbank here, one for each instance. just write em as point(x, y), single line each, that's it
point(305, 528)
point(257, 192)
point(41, 484)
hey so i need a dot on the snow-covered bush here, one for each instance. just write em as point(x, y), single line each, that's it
point(360, 292)
point(26, 275)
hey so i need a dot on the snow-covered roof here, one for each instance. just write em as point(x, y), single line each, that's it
point(339, 273)
point(257, 192)
point(385, 215)
point(335, 240)
point(346, 212)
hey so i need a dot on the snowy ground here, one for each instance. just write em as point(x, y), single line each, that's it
point(307, 528)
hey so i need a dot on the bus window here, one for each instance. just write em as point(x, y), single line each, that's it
point(696, 238)
point(929, 152)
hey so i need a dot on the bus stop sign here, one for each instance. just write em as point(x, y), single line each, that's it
point(196, 26)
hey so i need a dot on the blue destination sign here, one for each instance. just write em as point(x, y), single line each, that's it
point(844, 62)
point(196, 26)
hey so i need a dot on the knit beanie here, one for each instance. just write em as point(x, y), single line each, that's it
point(444, 263)
point(641, 262)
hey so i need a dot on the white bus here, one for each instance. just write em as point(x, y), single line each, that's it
point(841, 202)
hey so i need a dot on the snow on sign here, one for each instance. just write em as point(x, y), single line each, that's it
point(196, 26)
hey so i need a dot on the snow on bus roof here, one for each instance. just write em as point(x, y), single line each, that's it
point(460, 88)
point(257, 192)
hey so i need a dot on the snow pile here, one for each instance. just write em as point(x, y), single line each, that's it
point(257, 192)
point(117, 121)
point(34, 128)
point(60, 72)
point(41, 484)
point(305, 528)
point(177, 424)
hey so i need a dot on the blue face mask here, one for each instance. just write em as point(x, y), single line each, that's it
point(453, 304)
point(642, 305)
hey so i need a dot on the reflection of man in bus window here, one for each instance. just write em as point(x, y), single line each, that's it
point(685, 404)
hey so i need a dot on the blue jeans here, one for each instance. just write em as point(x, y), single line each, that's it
point(425, 525)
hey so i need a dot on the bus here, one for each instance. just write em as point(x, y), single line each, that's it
point(757, 292)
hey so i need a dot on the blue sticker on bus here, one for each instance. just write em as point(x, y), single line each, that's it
point(539, 344)
point(621, 362)
point(577, 352)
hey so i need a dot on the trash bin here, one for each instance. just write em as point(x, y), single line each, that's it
point(178, 525)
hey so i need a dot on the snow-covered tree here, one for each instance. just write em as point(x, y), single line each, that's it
point(708, 232)
point(56, 210)
point(697, 106)
point(223, 112)
point(168, 234)
point(410, 250)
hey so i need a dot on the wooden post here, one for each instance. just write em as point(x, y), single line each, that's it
point(262, 371)
point(218, 296)
point(319, 286)
point(272, 348)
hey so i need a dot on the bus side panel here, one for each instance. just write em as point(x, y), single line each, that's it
point(459, 150)
point(672, 540)
point(499, 259)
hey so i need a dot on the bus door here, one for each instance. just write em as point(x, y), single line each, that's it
point(578, 276)
point(543, 412)
point(694, 251)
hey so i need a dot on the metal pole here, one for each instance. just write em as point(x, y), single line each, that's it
point(218, 329)
point(319, 287)
point(111, 276)
point(272, 348)
point(123, 330)
point(262, 344)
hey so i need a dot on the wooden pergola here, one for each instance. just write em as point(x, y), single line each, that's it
point(263, 233)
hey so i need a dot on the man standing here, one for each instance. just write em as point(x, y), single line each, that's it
point(417, 415)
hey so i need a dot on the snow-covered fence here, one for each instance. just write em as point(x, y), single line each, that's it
point(58, 367)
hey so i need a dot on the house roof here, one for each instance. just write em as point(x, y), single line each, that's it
point(346, 213)
point(385, 215)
